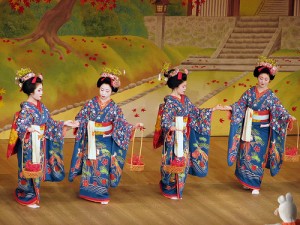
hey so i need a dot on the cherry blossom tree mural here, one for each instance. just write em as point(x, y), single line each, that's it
point(56, 17)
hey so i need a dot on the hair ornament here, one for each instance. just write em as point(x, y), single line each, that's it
point(24, 74)
point(178, 72)
point(164, 70)
point(271, 64)
point(113, 75)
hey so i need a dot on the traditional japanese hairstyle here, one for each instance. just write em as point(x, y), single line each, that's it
point(110, 77)
point(174, 76)
point(265, 65)
point(26, 80)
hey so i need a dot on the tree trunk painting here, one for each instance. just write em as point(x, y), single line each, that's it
point(49, 25)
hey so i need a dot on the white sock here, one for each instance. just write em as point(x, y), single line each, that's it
point(255, 192)
point(33, 206)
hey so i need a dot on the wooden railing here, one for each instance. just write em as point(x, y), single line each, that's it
point(212, 8)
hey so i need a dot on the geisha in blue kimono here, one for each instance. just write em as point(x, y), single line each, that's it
point(186, 134)
point(37, 140)
point(257, 131)
point(101, 143)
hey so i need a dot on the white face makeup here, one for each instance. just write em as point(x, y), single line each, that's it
point(38, 92)
point(263, 81)
point(105, 92)
point(181, 88)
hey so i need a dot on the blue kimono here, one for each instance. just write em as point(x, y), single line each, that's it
point(266, 147)
point(97, 175)
point(196, 142)
point(51, 143)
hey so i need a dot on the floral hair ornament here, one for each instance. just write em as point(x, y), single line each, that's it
point(271, 64)
point(164, 70)
point(113, 75)
point(179, 73)
point(24, 74)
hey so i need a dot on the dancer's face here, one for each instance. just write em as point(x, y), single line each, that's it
point(105, 92)
point(181, 88)
point(38, 92)
point(263, 80)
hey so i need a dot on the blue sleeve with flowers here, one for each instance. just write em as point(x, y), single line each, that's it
point(199, 139)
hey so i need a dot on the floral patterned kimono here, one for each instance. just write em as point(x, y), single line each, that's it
point(265, 146)
point(112, 137)
point(51, 154)
point(196, 140)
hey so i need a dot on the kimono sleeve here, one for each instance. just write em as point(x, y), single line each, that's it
point(237, 119)
point(80, 142)
point(54, 129)
point(279, 117)
point(122, 129)
point(199, 119)
point(167, 117)
point(83, 117)
point(199, 139)
point(24, 121)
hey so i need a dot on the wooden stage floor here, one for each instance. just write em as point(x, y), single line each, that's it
point(215, 199)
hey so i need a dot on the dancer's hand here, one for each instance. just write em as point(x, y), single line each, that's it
point(30, 130)
point(217, 107)
point(69, 123)
point(140, 126)
point(172, 128)
point(227, 107)
point(75, 124)
point(293, 118)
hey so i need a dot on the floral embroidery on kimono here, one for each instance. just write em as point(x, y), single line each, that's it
point(196, 143)
point(266, 147)
point(111, 149)
point(28, 190)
